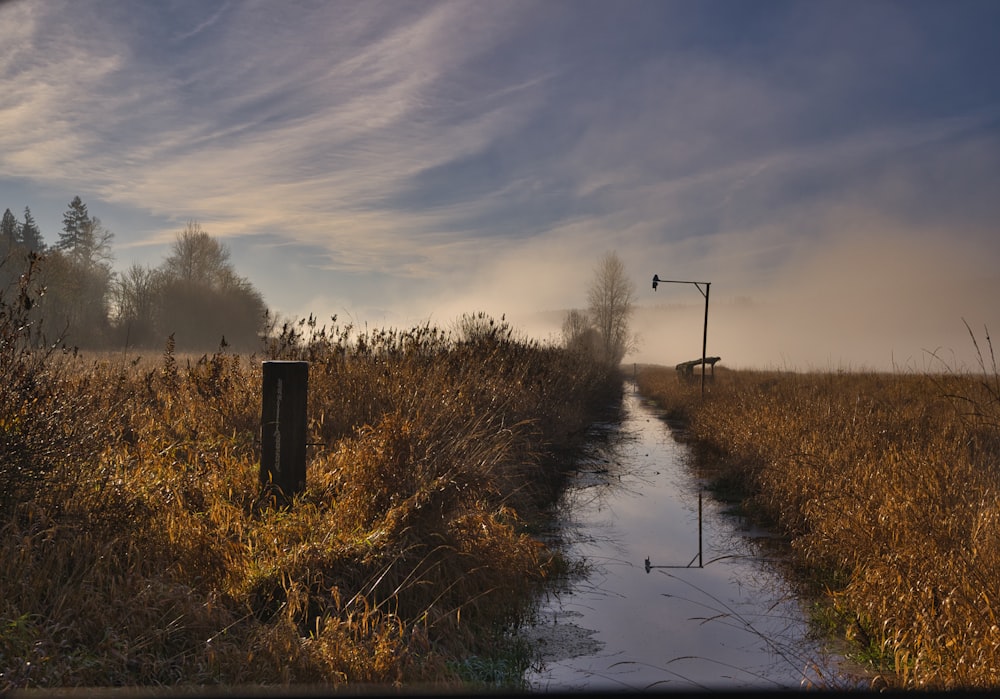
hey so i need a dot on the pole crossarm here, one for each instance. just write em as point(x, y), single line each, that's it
point(657, 281)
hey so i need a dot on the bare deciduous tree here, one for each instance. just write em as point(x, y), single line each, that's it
point(579, 334)
point(199, 258)
point(134, 295)
point(610, 299)
point(202, 299)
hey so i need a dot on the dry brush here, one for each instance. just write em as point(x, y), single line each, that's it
point(888, 486)
point(139, 550)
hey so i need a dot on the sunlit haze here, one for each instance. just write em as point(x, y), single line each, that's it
point(832, 168)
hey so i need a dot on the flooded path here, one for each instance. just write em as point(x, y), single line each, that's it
point(731, 624)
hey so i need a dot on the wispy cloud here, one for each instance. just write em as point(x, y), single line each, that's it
point(202, 26)
point(472, 146)
point(299, 141)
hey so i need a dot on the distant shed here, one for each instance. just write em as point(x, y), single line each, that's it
point(685, 370)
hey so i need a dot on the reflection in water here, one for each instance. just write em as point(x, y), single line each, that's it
point(733, 623)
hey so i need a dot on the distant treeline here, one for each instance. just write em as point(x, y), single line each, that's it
point(79, 300)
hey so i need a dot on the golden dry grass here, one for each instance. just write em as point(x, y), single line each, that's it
point(888, 486)
point(149, 558)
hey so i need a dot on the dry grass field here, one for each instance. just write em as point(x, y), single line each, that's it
point(136, 549)
point(887, 485)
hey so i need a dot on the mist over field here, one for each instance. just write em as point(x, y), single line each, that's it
point(882, 304)
point(896, 301)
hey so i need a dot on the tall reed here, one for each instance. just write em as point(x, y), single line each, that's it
point(430, 453)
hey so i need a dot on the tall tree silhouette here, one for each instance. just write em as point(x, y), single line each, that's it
point(31, 236)
point(611, 296)
point(78, 276)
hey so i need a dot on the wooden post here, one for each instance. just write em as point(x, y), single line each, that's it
point(283, 428)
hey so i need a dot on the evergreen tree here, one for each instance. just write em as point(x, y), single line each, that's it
point(78, 277)
point(84, 238)
point(76, 223)
point(9, 270)
point(9, 230)
point(31, 236)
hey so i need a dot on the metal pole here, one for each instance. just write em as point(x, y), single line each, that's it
point(704, 339)
point(700, 565)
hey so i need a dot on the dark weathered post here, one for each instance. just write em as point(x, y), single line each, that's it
point(704, 337)
point(283, 428)
point(700, 564)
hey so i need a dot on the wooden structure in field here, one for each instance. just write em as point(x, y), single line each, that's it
point(685, 370)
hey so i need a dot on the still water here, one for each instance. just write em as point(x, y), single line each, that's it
point(733, 623)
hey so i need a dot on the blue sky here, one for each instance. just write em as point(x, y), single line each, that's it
point(832, 167)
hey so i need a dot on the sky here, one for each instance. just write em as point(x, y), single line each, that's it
point(831, 167)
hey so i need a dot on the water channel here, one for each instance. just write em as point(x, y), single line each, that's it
point(645, 616)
